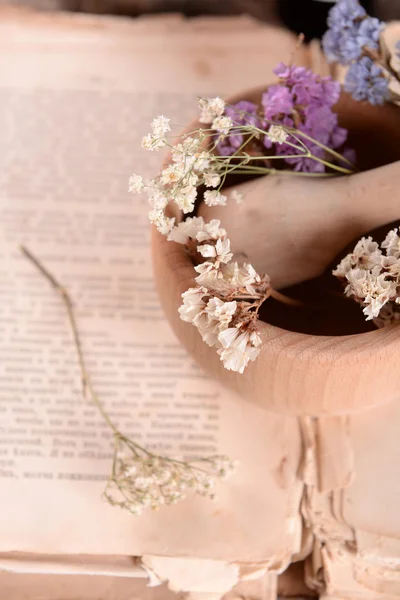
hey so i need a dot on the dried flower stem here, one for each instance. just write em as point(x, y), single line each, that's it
point(142, 479)
point(70, 311)
point(86, 383)
point(286, 299)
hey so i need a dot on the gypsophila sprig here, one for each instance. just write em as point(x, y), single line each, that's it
point(295, 122)
point(141, 479)
point(354, 39)
point(371, 276)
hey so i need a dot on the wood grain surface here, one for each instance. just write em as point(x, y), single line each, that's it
point(292, 228)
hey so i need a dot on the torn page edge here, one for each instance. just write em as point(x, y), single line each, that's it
point(113, 566)
point(199, 576)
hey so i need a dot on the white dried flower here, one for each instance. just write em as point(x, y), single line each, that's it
point(202, 161)
point(193, 303)
point(391, 266)
point(208, 274)
point(237, 349)
point(344, 266)
point(277, 134)
point(172, 174)
point(136, 184)
point(208, 328)
point(373, 291)
point(242, 276)
point(392, 243)
point(187, 229)
point(223, 466)
point(237, 196)
point(160, 126)
point(373, 279)
point(163, 223)
point(185, 198)
point(150, 142)
point(366, 253)
point(220, 251)
point(210, 108)
point(196, 229)
point(220, 311)
point(142, 483)
point(222, 124)
point(214, 198)
point(142, 480)
point(157, 199)
point(211, 231)
point(211, 179)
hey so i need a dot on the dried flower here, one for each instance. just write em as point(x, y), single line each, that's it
point(212, 179)
point(237, 196)
point(227, 295)
point(277, 100)
point(163, 223)
point(214, 198)
point(243, 115)
point(150, 142)
point(277, 134)
point(366, 81)
point(353, 39)
point(305, 98)
point(160, 126)
point(392, 243)
point(222, 124)
point(136, 184)
point(142, 480)
point(238, 348)
point(210, 109)
point(344, 42)
point(372, 278)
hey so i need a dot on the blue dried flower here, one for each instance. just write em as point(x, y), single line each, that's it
point(344, 13)
point(369, 32)
point(350, 30)
point(366, 81)
point(350, 48)
point(340, 43)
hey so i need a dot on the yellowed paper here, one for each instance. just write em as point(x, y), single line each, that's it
point(76, 96)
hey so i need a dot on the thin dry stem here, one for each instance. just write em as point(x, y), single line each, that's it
point(70, 311)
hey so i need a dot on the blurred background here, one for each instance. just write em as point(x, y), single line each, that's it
point(307, 16)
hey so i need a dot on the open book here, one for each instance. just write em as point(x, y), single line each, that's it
point(77, 94)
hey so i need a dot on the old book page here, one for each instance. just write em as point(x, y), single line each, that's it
point(76, 96)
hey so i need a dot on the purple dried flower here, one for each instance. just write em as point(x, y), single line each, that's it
point(338, 137)
point(307, 87)
point(302, 100)
point(350, 154)
point(290, 74)
point(366, 81)
point(277, 100)
point(243, 113)
point(309, 98)
point(319, 123)
point(330, 92)
point(308, 165)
